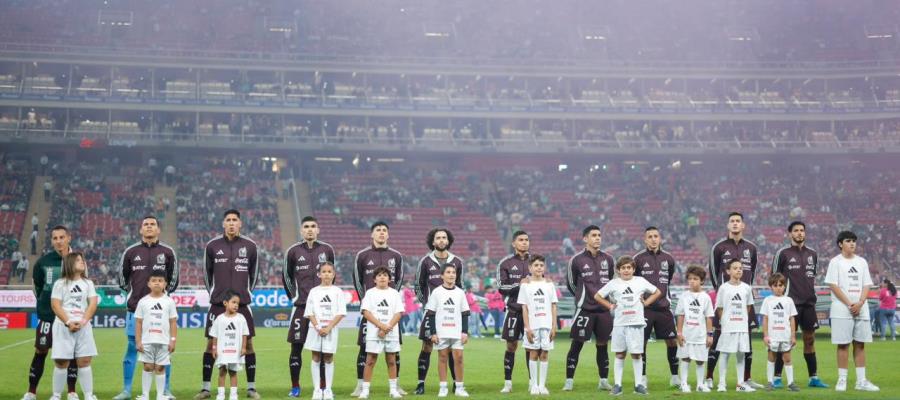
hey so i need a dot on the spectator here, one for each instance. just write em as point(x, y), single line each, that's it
point(22, 269)
point(496, 305)
point(475, 321)
point(33, 238)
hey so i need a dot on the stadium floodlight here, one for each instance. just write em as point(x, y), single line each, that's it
point(739, 34)
point(562, 167)
point(115, 18)
point(438, 30)
point(279, 24)
point(877, 32)
point(598, 33)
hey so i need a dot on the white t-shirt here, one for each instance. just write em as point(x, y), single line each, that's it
point(539, 297)
point(733, 300)
point(74, 296)
point(229, 333)
point(628, 296)
point(779, 309)
point(155, 313)
point(448, 306)
point(383, 304)
point(851, 276)
point(696, 308)
point(326, 303)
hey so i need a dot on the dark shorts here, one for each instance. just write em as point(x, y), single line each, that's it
point(513, 326)
point(299, 326)
point(43, 335)
point(423, 329)
point(807, 319)
point(216, 309)
point(588, 324)
point(660, 321)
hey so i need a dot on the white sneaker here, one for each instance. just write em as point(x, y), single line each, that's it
point(54, 397)
point(722, 387)
point(140, 397)
point(568, 386)
point(29, 396)
point(534, 391)
point(401, 391)
point(543, 390)
point(461, 392)
point(703, 389)
point(443, 392)
point(363, 394)
point(220, 396)
point(753, 384)
point(685, 388)
point(604, 385)
point(841, 385)
point(708, 383)
point(866, 386)
point(317, 394)
point(674, 381)
point(358, 390)
point(745, 387)
point(327, 394)
point(395, 394)
point(507, 387)
point(73, 396)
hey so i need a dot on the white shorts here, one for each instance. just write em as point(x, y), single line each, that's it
point(327, 344)
point(734, 342)
point(452, 344)
point(843, 331)
point(382, 346)
point(155, 353)
point(779, 346)
point(68, 345)
point(693, 351)
point(541, 340)
point(629, 339)
point(234, 367)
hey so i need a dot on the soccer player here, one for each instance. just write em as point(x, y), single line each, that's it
point(155, 333)
point(382, 308)
point(136, 264)
point(731, 247)
point(46, 271)
point(74, 302)
point(733, 302)
point(849, 280)
point(510, 272)
point(657, 266)
point(779, 330)
point(626, 301)
point(327, 308)
point(229, 333)
point(799, 265)
point(378, 254)
point(231, 264)
point(538, 299)
point(588, 272)
point(447, 312)
point(300, 275)
point(695, 330)
point(428, 278)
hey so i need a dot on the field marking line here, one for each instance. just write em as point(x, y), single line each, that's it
point(9, 346)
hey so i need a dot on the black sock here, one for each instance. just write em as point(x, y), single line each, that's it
point(527, 364)
point(603, 360)
point(672, 353)
point(397, 357)
point(295, 363)
point(72, 375)
point(452, 367)
point(208, 361)
point(812, 366)
point(711, 360)
point(360, 362)
point(779, 364)
point(250, 362)
point(509, 361)
point(424, 364)
point(572, 358)
point(36, 371)
point(644, 357)
point(748, 361)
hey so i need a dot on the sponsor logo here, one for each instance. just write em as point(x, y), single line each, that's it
point(15, 320)
point(370, 263)
point(220, 253)
point(853, 270)
point(272, 298)
point(157, 307)
point(628, 291)
point(326, 299)
point(383, 303)
point(449, 302)
point(737, 297)
point(695, 303)
point(301, 259)
point(322, 258)
point(76, 289)
point(242, 252)
point(137, 258)
point(160, 258)
point(540, 292)
point(191, 320)
point(586, 267)
point(230, 327)
point(17, 299)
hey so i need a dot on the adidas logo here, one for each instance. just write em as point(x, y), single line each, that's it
point(695, 303)
point(727, 253)
point(230, 327)
point(737, 297)
point(301, 258)
point(137, 258)
point(326, 299)
point(628, 291)
point(449, 302)
point(779, 306)
point(157, 307)
point(540, 292)
point(383, 303)
point(371, 263)
point(76, 289)
point(586, 267)
point(514, 268)
point(220, 252)
point(792, 260)
point(853, 270)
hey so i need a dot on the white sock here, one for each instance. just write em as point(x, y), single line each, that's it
point(723, 368)
point(789, 371)
point(638, 365)
point(842, 373)
point(86, 379)
point(617, 371)
point(365, 385)
point(770, 371)
point(683, 371)
point(316, 376)
point(739, 367)
point(221, 391)
point(329, 375)
point(443, 385)
point(59, 380)
point(701, 375)
point(543, 381)
point(205, 386)
point(459, 385)
point(146, 382)
point(233, 392)
point(860, 374)
point(160, 386)
point(392, 383)
point(533, 372)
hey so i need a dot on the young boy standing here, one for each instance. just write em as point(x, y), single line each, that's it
point(382, 307)
point(694, 327)
point(229, 334)
point(325, 309)
point(447, 313)
point(155, 332)
point(538, 299)
point(733, 302)
point(779, 330)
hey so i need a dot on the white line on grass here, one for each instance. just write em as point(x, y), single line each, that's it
point(9, 346)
